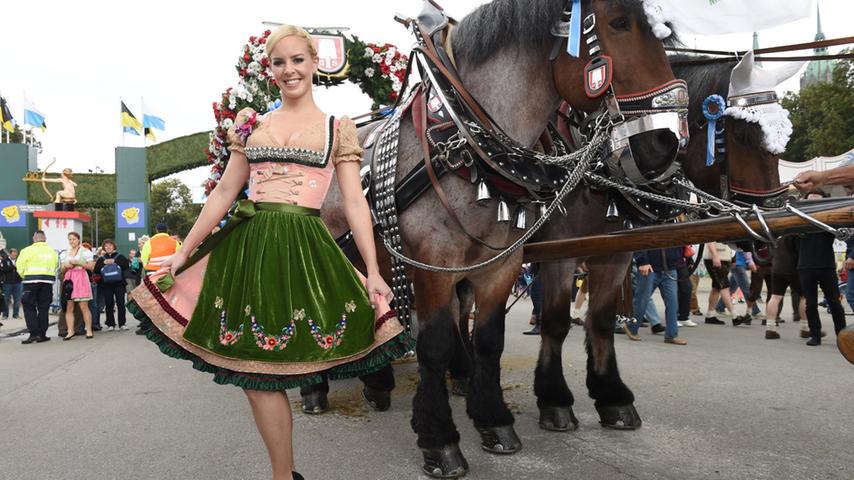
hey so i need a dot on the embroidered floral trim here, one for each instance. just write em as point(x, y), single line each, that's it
point(227, 337)
point(328, 341)
point(275, 343)
point(278, 342)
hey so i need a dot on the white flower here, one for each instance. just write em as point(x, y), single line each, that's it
point(395, 84)
point(369, 52)
point(232, 103)
point(258, 56)
point(377, 58)
point(227, 123)
point(254, 68)
point(391, 51)
point(369, 72)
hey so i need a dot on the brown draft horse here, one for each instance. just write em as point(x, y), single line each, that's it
point(750, 169)
point(502, 54)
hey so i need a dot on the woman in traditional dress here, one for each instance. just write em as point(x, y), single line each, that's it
point(74, 263)
point(270, 302)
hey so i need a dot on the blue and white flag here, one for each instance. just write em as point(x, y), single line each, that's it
point(33, 116)
point(150, 119)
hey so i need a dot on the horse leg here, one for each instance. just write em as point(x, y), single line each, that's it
point(485, 401)
point(554, 398)
point(460, 367)
point(315, 398)
point(613, 400)
point(378, 387)
point(438, 437)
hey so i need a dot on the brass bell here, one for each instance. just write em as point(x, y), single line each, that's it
point(612, 214)
point(521, 218)
point(503, 212)
point(483, 196)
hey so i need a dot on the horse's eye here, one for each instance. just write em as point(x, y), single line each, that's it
point(620, 23)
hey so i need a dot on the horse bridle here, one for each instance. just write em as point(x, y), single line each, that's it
point(766, 199)
point(661, 108)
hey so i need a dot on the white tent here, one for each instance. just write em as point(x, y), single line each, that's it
point(788, 170)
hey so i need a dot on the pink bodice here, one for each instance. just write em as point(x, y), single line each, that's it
point(298, 171)
point(289, 183)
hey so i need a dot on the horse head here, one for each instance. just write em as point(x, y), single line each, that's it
point(643, 90)
point(750, 135)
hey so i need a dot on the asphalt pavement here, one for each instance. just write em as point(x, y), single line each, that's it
point(729, 405)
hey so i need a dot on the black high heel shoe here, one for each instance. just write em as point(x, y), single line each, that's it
point(89, 337)
point(297, 476)
point(69, 337)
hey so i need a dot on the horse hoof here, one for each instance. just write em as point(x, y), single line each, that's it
point(379, 400)
point(619, 417)
point(460, 387)
point(501, 440)
point(845, 342)
point(315, 403)
point(558, 419)
point(444, 462)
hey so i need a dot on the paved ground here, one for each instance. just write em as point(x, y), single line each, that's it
point(729, 405)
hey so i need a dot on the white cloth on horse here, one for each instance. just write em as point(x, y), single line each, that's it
point(748, 78)
point(716, 17)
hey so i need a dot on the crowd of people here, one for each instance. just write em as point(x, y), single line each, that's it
point(801, 263)
point(79, 281)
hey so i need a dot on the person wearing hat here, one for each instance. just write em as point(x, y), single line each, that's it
point(159, 248)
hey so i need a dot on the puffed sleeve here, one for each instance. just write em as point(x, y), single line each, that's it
point(239, 132)
point(348, 143)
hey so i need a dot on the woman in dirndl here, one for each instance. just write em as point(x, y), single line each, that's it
point(269, 302)
point(74, 264)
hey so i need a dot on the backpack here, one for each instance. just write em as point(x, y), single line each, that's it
point(112, 273)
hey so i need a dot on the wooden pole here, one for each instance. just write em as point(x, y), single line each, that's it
point(834, 212)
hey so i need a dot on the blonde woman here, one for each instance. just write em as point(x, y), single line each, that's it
point(74, 264)
point(270, 302)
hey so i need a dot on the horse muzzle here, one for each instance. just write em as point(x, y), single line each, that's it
point(658, 116)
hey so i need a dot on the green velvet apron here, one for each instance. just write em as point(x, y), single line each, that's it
point(277, 288)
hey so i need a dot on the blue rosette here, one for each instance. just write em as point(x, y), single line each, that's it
point(713, 109)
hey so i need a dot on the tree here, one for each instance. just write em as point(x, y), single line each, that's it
point(106, 228)
point(822, 116)
point(172, 203)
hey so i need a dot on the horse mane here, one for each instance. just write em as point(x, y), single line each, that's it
point(705, 80)
point(500, 23)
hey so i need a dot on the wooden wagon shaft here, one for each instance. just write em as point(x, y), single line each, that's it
point(833, 212)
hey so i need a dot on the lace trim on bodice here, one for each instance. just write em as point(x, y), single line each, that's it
point(302, 156)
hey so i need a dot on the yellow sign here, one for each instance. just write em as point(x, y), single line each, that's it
point(131, 215)
point(12, 214)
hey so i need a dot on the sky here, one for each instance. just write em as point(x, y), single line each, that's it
point(76, 60)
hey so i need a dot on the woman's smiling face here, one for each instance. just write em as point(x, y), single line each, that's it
point(293, 66)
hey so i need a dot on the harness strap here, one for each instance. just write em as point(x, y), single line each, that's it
point(437, 187)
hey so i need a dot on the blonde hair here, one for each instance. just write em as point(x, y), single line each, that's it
point(287, 31)
point(67, 172)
